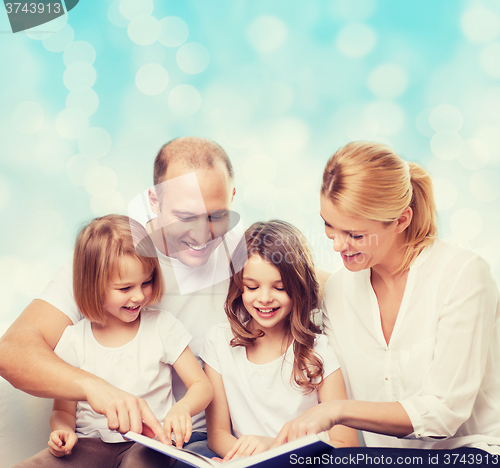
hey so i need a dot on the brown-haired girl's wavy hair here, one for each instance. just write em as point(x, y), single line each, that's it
point(371, 181)
point(285, 247)
point(99, 248)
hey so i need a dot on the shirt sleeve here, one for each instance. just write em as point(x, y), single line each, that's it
point(59, 292)
point(209, 349)
point(70, 345)
point(327, 354)
point(465, 332)
point(174, 336)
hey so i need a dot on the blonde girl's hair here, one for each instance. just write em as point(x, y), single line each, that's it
point(100, 246)
point(285, 247)
point(371, 181)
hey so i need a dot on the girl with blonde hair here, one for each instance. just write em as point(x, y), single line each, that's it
point(123, 340)
point(414, 320)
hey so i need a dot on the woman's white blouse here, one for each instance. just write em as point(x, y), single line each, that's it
point(442, 362)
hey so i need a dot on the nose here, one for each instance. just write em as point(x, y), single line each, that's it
point(265, 296)
point(138, 295)
point(201, 232)
point(339, 243)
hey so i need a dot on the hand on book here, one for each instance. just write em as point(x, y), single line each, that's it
point(248, 445)
point(178, 421)
point(61, 442)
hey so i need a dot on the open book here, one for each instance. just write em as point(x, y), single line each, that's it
point(307, 446)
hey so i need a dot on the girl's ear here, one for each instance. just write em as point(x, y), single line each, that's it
point(404, 219)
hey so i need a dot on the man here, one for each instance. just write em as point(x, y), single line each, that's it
point(27, 359)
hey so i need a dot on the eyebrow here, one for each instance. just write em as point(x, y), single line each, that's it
point(351, 231)
point(251, 279)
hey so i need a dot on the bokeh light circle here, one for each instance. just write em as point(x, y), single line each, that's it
point(78, 167)
point(352, 10)
point(184, 100)
point(151, 79)
point(388, 81)
point(466, 223)
point(389, 116)
point(60, 40)
point(479, 24)
point(447, 145)
point(475, 154)
point(95, 142)
point(153, 53)
point(259, 193)
point(115, 15)
point(130, 9)
point(71, 123)
point(445, 193)
point(79, 51)
point(289, 136)
point(173, 31)
point(267, 34)
point(107, 202)
point(144, 29)
point(192, 58)
point(100, 180)
point(5, 193)
point(287, 204)
point(490, 60)
point(259, 167)
point(79, 77)
point(28, 117)
point(485, 185)
point(446, 118)
point(356, 40)
point(41, 32)
point(87, 101)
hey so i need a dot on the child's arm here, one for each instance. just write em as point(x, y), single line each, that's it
point(332, 388)
point(198, 396)
point(62, 422)
point(220, 437)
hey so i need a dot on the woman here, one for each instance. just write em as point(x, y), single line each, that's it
point(414, 320)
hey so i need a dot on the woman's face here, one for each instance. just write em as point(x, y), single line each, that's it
point(361, 243)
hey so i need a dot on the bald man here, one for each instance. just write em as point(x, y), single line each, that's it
point(27, 359)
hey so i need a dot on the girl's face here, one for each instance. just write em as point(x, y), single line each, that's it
point(128, 291)
point(263, 296)
point(361, 243)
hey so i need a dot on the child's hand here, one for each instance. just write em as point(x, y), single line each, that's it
point(61, 442)
point(248, 445)
point(178, 421)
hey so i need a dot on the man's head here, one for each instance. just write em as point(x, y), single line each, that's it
point(192, 198)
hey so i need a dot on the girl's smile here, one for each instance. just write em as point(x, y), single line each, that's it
point(263, 296)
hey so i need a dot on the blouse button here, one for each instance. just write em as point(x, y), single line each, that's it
point(387, 378)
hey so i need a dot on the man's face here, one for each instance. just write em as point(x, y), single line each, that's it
point(193, 212)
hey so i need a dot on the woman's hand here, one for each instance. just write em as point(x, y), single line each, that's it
point(61, 442)
point(248, 445)
point(178, 421)
point(317, 419)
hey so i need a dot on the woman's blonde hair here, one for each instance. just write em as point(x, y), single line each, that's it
point(100, 246)
point(371, 181)
point(285, 247)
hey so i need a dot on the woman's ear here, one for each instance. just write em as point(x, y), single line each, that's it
point(404, 219)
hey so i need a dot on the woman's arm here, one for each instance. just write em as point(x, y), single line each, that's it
point(198, 396)
point(332, 388)
point(220, 438)
point(383, 418)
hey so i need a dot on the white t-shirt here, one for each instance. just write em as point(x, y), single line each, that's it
point(261, 397)
point(198, 311)
point(141, 367)
point(442, 362)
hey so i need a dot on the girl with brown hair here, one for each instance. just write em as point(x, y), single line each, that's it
point(414, 320)
point(268, 364)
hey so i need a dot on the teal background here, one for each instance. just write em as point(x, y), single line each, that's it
point(280, 85)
